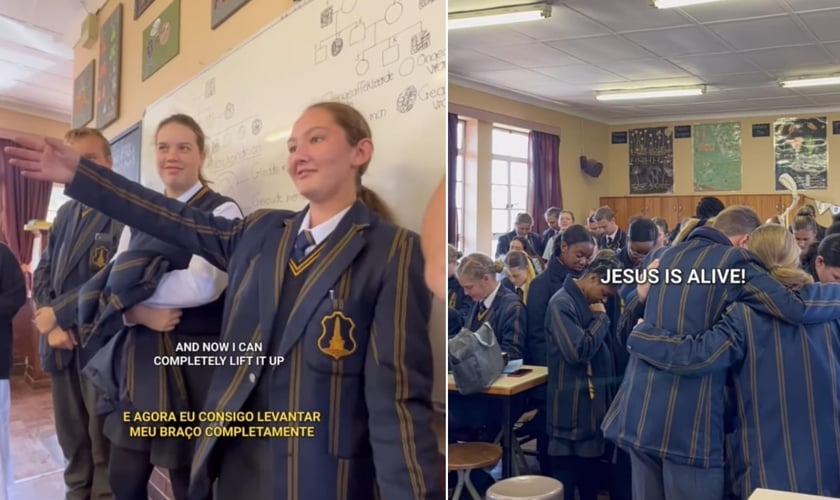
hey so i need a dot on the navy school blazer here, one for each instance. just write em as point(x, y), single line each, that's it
point(785, 394)
point(666, 415)
point(386, 381)
point(78, 248)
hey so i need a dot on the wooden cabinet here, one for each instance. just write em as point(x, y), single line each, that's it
point(675, 208)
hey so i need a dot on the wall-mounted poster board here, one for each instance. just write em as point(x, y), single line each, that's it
point(126, 151)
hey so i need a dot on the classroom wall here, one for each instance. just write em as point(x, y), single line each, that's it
point(200, 46)
point(757, 160)
point(12, 122)
point(578, 136)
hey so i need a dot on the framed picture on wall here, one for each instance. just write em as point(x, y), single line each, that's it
point(140, 7)
point(220, 11)
point(162, 40)
point(110, 59)
point(125, 152)
point(83, 94)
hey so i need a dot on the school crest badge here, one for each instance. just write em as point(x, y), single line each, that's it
point(99, 256)
point(336, 340)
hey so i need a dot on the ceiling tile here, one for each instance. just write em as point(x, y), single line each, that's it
point(581, 73)
point(809, 5)
point(490, 35)
point(766, 91)
point(531, 55)
point(628, 15)
point(834, 48)
point(678, 41)
point(788, 60)
point(823, 24)
point(742, 9)
point(761, 33)
point(826, 99)
point(563, 23)
point(644, 69)
point(714, 64)
point(601, 49)
point(780, 102)
point(739, 80)
point(513, 78)
point(463, 60)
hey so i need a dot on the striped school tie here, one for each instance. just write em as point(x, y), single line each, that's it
point(303, 241)
point(521, 293)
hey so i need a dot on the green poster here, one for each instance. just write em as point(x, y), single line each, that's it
point(161, 39)
point(717, 157)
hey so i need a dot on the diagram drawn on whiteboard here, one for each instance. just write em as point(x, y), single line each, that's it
point(371, 35)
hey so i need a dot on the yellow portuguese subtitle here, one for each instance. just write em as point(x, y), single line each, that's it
point(263, 424)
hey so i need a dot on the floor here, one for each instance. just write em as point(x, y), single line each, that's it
point(36, 457)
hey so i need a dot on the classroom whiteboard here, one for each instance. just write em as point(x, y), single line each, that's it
point(385, 57)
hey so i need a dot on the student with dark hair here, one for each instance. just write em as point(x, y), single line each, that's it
point(580, 370)
point(642, 238)
point(521, 244)
point(826, 265)
point(572, 252)
point(708, 207)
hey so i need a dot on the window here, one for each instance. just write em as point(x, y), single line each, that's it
point(57, 199)
point(459, 182)
point(509, 178)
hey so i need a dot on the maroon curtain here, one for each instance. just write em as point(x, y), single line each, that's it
point(452, 211)
point(22, 200)
point(544, 174)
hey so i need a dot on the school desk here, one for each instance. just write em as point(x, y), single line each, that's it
point(762, 494)
point(509, 390)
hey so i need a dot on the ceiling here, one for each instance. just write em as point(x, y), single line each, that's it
point(738, 48)
point(36, 54)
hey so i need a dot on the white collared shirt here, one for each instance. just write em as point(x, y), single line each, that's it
point(201, 282)
point(323, 230)
point(490, 298)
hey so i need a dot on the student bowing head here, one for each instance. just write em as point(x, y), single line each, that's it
point(592, 283)
point(330, 148)
point(179, 154)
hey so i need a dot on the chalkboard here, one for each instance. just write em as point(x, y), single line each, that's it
point(126, 151)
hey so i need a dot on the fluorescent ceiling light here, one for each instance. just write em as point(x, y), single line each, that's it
point(622, 95)
point(670, 4)
point(811, 82)
point(499, 15)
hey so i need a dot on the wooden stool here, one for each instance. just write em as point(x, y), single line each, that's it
point(530, 487)
point(464, 457)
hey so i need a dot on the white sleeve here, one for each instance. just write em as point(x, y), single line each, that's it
point(122, 245)
point(200, 283)
point(549, 248)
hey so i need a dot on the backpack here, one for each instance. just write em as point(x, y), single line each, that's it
point(475, 359)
